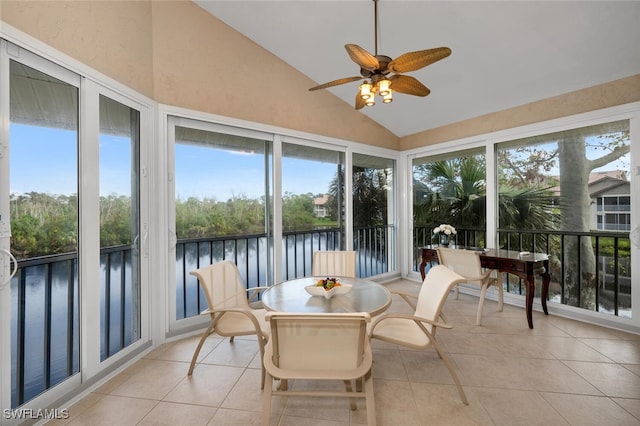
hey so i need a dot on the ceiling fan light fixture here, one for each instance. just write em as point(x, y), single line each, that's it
point(383, 87)
point(365, 91)
point(383, 75)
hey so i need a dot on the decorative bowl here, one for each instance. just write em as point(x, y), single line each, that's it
point(316, 290)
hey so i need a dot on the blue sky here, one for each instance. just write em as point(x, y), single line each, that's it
point(52, 167)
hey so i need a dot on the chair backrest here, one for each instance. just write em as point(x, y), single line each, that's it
point(334, 264)
point(319, 342)
point(222, 285)
point(464, 262)
point(435, 289)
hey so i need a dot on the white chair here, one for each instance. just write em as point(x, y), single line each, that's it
point(467, 263)
point(319, 347)
point(334, 264)
point(418, 331)
point(229, 307)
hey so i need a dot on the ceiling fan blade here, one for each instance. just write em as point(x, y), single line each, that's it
point(360, 103)
point(408, 85)
point(413, 61)
point(361, 57)
point(336, 83)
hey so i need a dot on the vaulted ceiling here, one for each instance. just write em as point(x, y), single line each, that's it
point(504, 53)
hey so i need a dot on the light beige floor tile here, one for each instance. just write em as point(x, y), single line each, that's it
point(239, 353)
point(621, 351)
point(634, 368)
point(395, 405)
point(387, 364)
point(246, 394)
point(334, 409)
point(182, 350)
point(517, 407)
point(116, 411)
point(590, 331)
point(79, 407)
point(495, 372)
point(611, 379)
point(426, 366)
point(152, 380)
point(229, 417)
point(555, 376)
point(631, 405)
point(209, 385)
point(570, 349)
point(441, 404)
point(305, 421)
point(472, 343)
point(587, 410)
point(171, 414)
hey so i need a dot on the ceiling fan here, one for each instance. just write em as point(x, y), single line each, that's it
point(377, 68)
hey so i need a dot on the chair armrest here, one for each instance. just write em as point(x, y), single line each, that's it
point(411, 299)
point(254, 291)
point(408, 317)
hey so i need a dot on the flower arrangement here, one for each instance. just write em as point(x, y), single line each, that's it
point(444, 231)
point(444, 228)
point(328, 283)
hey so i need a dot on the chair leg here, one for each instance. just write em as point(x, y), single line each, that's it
point(370, 400)
point(457, 291)
point(199, 347)
point(449, 366)
point(500, 291)
point(483, 293)
point(261, 344)
point(348, 388)
point(266, 400)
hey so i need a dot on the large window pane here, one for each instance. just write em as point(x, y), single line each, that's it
point(568, 194)
point(449, 189)
point(312, 205)
point(43, 137)
point(373, 214)
point(222, 209)
point(119, 226)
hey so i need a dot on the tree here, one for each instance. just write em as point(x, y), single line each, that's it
point(454, 192)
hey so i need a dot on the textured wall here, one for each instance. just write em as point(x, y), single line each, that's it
point(178, 54)
point(614, 93)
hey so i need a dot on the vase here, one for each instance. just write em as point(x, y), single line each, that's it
point(444, 240)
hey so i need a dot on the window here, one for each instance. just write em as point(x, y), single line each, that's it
point(373, 214)
point(120, 238)
point(554, 189)
point(222, 208)
point(309, 175)
point(43, 189)
point(449, 189)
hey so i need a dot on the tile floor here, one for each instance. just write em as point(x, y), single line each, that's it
point(561, 373)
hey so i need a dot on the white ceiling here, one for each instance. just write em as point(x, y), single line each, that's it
point(505, 53)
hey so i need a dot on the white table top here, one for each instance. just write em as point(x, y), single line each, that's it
point(290, 296)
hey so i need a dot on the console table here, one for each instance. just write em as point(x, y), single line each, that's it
point(524, 266)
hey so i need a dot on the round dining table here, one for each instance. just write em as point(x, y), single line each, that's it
point(291, 296)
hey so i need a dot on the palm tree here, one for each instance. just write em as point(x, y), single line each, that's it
point(454, 191)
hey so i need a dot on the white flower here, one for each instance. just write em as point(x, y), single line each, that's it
point(447, 229)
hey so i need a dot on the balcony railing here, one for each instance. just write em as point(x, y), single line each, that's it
point(591, 270)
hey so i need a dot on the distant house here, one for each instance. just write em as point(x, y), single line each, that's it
point(320, 206)
point(611, 201)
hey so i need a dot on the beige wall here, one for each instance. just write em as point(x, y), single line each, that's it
point(614, 93)
point(177, 54)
